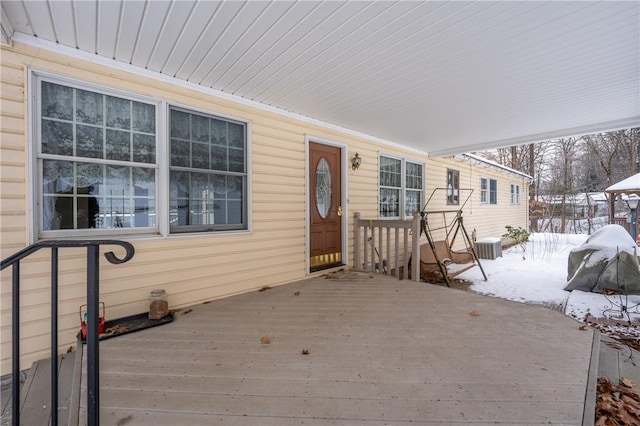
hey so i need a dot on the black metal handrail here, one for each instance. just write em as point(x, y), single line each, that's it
point(93, 292)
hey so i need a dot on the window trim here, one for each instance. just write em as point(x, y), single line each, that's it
point(457, 174)
point(246, 201)
point(161, 165)
point(36, 158)
point(516, 196)
point(166, 151)
point(488, 192)
point(403, 185)
point(422, 190)
point(484, 192)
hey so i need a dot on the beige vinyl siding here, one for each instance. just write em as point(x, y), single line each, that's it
point(192, 268)
point(489, 220)
point(13, 165)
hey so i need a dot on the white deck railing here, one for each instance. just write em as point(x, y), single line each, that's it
point(385, 246)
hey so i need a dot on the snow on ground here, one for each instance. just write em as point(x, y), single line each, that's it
point(541, 278)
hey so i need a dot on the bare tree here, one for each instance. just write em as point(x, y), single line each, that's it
point(616, 153)
point(562, 169)
point(604, 148)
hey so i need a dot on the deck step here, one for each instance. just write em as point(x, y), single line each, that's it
point(618, 360)
point(35, 398)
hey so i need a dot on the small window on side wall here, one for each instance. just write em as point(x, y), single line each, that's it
point(515, 194)
point(453, 187)
point(488, 191)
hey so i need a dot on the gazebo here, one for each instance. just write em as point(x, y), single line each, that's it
point(628, 186)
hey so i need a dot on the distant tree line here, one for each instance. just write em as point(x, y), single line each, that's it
point(563, 168)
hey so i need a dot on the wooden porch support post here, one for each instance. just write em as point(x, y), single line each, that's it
point(357, 261)
point(612, 202)
point(415, 247)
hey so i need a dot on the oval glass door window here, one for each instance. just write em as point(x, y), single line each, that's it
point(323, 188)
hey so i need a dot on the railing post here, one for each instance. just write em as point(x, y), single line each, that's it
point(356, 241)
point(415, 247)
point(365, 232)
point(93, 312)
point(396, 255)
point(54, 335)
point(405, 240)
point(15, 344)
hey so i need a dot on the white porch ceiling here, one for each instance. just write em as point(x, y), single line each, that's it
point(441, 77)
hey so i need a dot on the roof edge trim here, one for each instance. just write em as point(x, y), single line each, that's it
point(483, 162)
point(626, 123)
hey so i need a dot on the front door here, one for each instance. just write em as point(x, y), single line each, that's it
point(325, 206)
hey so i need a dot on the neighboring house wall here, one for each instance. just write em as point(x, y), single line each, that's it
point(192, 268)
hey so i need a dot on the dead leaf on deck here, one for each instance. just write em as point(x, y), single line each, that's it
point(265, 340)
point(617, 404)
point(474, 313)
point(297, 293)
point(305, 352)
point(582, 327)
point(626, 382)
point(186, 312)
point(265, 288)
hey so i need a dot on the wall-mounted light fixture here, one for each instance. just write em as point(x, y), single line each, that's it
point(355, 162)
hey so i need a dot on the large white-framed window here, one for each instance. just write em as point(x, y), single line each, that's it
point(100, 164)
point(96, 160)
point(208, 172)
point(515, 194)
point(488, 191)
point(401, 187)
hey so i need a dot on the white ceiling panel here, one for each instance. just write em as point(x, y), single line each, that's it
point(287, 48)
point(441, 77)
point(60, 13)
point(13, 13)
point(85, 22)
point(108, 24)
point(246, 47)
point(168, 34)
point(229, 38)
point(153, 21)
point(190, 34)
point(39, 16)
point(223, 19)
point(129, 29)
point(265, 47)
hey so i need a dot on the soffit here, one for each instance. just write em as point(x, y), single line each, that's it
point(440, 77)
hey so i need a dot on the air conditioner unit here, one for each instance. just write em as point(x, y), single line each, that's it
point(488, 248)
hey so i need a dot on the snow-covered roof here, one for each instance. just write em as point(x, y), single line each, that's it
point(575, 199)
point(631, 183)
point(483, 162)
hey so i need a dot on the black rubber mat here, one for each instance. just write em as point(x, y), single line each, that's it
point(131, 324)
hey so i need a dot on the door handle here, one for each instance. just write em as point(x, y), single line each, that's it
point(339, 210)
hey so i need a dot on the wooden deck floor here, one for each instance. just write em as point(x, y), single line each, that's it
point(380, 351)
